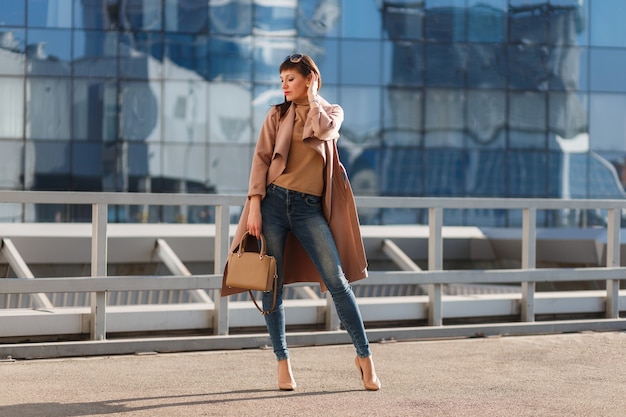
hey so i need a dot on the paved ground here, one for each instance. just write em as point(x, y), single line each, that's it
point(556, 375)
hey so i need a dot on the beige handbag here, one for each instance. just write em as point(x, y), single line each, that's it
point(252, 270)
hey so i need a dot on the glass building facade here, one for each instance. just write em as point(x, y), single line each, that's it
point(449, 98)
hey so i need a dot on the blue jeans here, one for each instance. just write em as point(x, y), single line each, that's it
point(286, 211)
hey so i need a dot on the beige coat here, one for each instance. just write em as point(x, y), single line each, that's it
point(321, 130)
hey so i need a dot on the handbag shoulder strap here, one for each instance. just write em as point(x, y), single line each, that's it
point(264, 312)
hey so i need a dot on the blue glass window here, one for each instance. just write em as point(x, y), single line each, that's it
point(325, 52)
point(568, 22)
point(184, 111)
point(607, 23)
point(362, 110)
point(520, 184)
point(230, 59)
point(12, 176)
point(527, 111)
point(485, 173)
point(401, 167)
point(230, 17)
point(565, 66)
point(95, 14)
point(87, 160)
point(229, 112)
point(188, 56)
point(527, 68)
point(361, 63)
point(95, 53)
point(360, 19)
point(51, 159)
point(608, 69)
point(486, 115)
point(445, 110)
point(568, 114)
point(404, 63)
point(50, 13)
point(403, 20)
point(140, 15)
point(94, 110)
point(318, 18)
point(403, 116)
point(49, 51)
point(13, 13)
point(48, 111)
point(186, 16)
point(274, 19)
point(444, 172)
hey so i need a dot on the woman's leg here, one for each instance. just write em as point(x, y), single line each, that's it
point(310, 228)
point(275, 233)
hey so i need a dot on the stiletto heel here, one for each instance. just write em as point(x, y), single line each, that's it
point(368, 373)
point(285, 376)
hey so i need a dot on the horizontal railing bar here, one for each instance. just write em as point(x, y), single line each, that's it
point(111, 283)
point(160, 199)
point(214, 281)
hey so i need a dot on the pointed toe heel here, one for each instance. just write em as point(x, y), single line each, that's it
point(285, 376)
point(368, 373)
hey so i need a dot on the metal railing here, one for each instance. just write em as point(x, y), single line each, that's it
point(98, 284)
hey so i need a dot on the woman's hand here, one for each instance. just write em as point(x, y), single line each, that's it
point(312, 91)
point(255, 222)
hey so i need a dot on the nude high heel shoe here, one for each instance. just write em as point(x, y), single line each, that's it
point(368, 373)
point(285, 376)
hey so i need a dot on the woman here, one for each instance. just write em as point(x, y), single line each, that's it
point(300, 198)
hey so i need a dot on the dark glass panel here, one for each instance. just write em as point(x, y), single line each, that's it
point(486, 65)
point(568, 22)
point(446, 20)
point(141, 55)
point(446, 65)
point(140, 15)
point(528, 21)
point(318, 18)
point(188, 56)
point(96, 14)
point(485, 173)
point(444, 172)
point(403, 20)
point(403, 116)
point(527, 174)
point(87, 163)
point(564, 68)
point(487, 21)
point(187, 16)
point(230, 59)
point(94, 110)
point(528, 111)
point(12, 175)
point(568, 114)
point(528, 67)
point(230, 17)
point(407, 63)
point(486, 115)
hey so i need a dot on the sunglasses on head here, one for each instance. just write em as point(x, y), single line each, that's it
point(295, 58)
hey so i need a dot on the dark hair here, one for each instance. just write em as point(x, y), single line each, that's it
point(304, 64)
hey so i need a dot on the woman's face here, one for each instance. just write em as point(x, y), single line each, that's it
point(293, 84)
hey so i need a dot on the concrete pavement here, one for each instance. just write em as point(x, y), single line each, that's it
point(552, 375)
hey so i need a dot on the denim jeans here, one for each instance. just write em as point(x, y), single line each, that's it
point(283, 211)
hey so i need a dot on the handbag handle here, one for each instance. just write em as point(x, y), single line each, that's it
point(247, 234)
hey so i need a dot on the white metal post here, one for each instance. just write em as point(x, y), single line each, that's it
point(529, 249)
point(435, 263)
point(222, 243)
point(613, 243)
point(98, 269)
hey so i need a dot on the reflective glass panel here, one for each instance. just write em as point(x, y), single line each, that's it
point(446, 20)
point(565, 67)
point(403, 116)
point(445, 110)
point(403, 63)
point(487, 20)
point(87, 160)
point(50, 157)
point(527, 111)
point(400, 170)
point(231, 17)
point(230, 58)
point(185, 161)
point(568, 116)
point(528, 21)
point(361, 63)
point(486, 115)
point(13, 13)
point(12, 165)
point(48, 110)
point(268, 54)
point(607, 129)
point(485, 173)
point(318, 17)
point(188, 56)
point(49, 51)
point(139, 111)
point(186, 16)
point(360, 19)
point(229, 113)
point(274, 18)
point(362, 109)
point(326, 54)
point(140, 14)
point(95, 54)
point(12, 108)
point(184, 111)
point(608, 69)
point(96, 14)
point(446, 65)
point(527, 67)
point(50, 13)
point(607, 23)
point(444, 171)
point(519, 164)
point(12, 48)
point(94, 110)
point(225, 167)
point(486, 65)
point(568, 20)
point(403, 20)
point(141, 55)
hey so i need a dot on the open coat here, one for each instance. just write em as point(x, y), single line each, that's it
point(321, 132)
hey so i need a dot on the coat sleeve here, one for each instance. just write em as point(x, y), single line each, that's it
point(263, 154)
point(324, 120)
